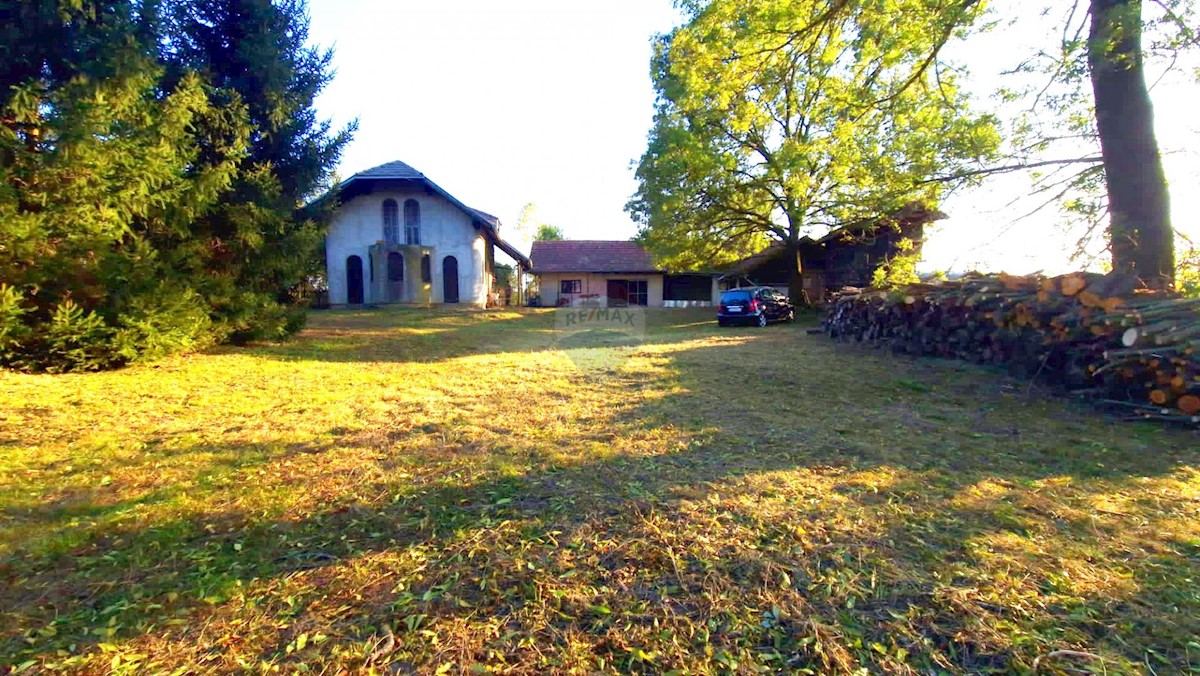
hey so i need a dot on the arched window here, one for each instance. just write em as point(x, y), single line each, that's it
point(426, 271)
point(391, 222)
point(354, 280)
point(412, 222)
point(449, 279)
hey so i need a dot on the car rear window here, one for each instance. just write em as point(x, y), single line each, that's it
point(735, 296)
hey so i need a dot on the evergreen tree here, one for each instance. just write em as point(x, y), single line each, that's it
point(97, 160)
point(154, 158)
point(261, 244)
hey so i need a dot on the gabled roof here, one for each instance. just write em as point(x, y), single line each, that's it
point(590, 255)
point(911, 214)
point(399, 171)
point(753, 261)
point(396, 171)
point(487, 217)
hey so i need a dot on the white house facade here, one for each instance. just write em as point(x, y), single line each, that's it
point(399, 238)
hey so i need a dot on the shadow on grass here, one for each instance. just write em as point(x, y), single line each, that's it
point(800, 537)
point(426, 335)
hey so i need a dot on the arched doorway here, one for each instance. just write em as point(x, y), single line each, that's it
point(449, 279)
point(354, 281)
point(395, 275)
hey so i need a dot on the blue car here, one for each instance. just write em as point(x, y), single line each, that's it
point(754, 305)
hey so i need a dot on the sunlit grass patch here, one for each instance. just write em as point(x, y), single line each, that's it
point(420, 488)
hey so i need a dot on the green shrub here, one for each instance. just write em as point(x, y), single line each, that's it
point(899, 270)
point(12, 330)
point(75, 340)
point(151, 328)
point(256, 317)
point(150, 174)
point(1187, 270)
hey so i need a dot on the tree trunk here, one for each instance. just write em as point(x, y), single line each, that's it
point(1139, 206)
point(795, 276)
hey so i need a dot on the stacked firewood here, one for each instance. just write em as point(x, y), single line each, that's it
point(1092, 333)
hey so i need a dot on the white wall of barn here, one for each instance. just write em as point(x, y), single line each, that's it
point(445, 228)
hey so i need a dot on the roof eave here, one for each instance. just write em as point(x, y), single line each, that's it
point(598, 272)
point(522, 260)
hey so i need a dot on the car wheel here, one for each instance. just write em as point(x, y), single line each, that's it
point(791, 315)
point(762, 319)
point(722, 322)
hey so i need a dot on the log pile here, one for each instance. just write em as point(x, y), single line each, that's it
point(1095, 334)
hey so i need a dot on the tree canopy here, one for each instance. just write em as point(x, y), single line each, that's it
point(547, 232)
point(780, 118)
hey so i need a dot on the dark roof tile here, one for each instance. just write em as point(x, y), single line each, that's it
point(576, 255)
point(391, 170)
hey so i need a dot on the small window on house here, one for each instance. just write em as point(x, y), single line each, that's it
point(571, 286)
point(412, 222)
point(391, 222)
point(638, 294)
point(426, 269)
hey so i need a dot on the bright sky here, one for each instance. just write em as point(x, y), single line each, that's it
point(545, 101)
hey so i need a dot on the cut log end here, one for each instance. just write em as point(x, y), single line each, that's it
point(1089, 299)
point(1071, 285)
point(1160, 397)
point(1189, 404)
point(1111, 305)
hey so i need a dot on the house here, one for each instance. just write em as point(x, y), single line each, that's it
point(400, 238)
point(847, 256)
point(607, 273)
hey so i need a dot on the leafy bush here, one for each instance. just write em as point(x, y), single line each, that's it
point(1187, 273)
point(262, 318)
point(12, 330)
point(75, 340)
point(899, 270)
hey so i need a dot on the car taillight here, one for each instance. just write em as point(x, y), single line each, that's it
point(753, 306)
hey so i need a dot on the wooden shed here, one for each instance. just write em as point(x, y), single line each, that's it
point(847, 256)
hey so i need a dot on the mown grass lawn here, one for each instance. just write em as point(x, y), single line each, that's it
point(407, 489)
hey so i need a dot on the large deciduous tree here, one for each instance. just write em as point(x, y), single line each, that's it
point(547, 232)
point(777, 118)
point(1140, 234)
point(1093, 96)
point(1088, 93)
